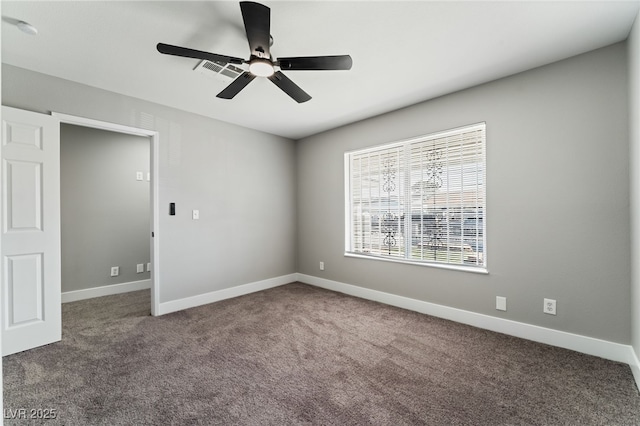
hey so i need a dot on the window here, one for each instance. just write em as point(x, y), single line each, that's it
point(420, 201)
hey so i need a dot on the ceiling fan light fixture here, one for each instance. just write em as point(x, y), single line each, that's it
point(261, 68)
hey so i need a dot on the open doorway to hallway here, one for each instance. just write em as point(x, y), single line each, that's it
point(105, 212)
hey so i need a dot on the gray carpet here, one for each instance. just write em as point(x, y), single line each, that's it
point(302, 355)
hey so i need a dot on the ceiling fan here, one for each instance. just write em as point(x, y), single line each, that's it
point(257, 24)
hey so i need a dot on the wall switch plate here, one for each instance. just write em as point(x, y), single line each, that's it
point(139, 268)
point(549, 306)
point(115, 271)
point(148, 176)
point(195, 214)
point(139, 176)
point(501, 303)
point(322, 266)
point(149, 267)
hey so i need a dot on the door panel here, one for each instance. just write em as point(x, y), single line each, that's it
point(31, 312)
point(24, 286)
point(23, 182)
point(25, 134)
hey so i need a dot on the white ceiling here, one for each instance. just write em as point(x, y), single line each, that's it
point(403, 52)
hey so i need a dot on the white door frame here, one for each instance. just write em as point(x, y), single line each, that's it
point(155, 215)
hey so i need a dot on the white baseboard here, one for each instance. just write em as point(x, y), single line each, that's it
point(106, 290)
point(587, 345)
point(635, 368)
point(227, 293)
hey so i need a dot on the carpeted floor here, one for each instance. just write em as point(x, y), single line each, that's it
point(301, 355)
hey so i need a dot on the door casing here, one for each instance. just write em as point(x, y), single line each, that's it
point(154, 137)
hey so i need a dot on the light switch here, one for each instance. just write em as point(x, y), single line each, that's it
point(148, 176)
point(195, 214)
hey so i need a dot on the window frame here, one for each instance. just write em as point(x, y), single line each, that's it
point(348, 230)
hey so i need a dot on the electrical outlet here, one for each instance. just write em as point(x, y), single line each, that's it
point(322, 266)
point(139, 268)
point(115, 271)
point(549, 306)
point(501, 303)
point(139, 176)
point(195, 214)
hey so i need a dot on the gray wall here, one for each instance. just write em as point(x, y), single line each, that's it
point(557, 198)
point(558, 193)
point(634, 127)
point(242, 181)
point(105, 210)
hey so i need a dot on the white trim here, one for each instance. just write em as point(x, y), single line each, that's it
point(155, 198)
point(102, 125)
point(105, 290)
point(1, 272)
point(587, 345)
point(347, 202)
point(226, 293)
point(155, 224)
point(635, 367)
point(462, 268)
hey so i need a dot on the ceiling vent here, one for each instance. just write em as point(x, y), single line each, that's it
point(219, 70)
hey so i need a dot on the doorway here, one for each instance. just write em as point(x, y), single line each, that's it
point(149, 177)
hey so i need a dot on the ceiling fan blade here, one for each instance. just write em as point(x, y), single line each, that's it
point(236, 85)
point(185, 52)
point(339, 62)
point(289, 87)
point(257, 24)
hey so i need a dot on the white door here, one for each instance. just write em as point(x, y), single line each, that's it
point(30, 246)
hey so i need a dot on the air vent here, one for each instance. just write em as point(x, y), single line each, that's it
point(219, 70)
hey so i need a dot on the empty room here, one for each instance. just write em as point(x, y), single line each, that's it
point(320, 212)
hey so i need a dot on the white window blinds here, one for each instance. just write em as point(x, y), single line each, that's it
point(421, 200)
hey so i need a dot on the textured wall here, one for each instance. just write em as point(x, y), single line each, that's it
point(557, 197)
point(105, 211)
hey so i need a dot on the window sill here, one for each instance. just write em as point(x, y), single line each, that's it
point(461, 268)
